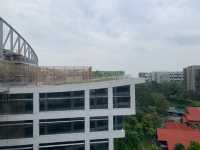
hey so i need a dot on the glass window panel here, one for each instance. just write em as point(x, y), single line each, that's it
point(78, 103)
point(21, 96)
point(99, 146)
point(99, 103)
point(99, 92)
point(118, 122)
point(16, 104)
point(121, 91)
point(64, 104)
point(61, 126)
point(98, 124)
point(78, 126)
point(62, 94)
point(62, 101)
point(15, 130)
point(121, 102)
point(18, 147)
point(70, 147)
point(98, 98)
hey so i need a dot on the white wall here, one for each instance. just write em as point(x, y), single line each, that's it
point(87, 136)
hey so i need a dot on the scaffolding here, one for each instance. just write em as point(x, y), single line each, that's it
point(16, 73)
point(19, 64)
point(63, 74)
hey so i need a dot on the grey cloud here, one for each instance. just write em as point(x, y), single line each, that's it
point(185, 40)
point(132, 35)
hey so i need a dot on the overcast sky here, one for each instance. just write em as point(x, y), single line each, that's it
point(129, 35)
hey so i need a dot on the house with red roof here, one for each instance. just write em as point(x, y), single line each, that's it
point(191, 116)
point(174, 133)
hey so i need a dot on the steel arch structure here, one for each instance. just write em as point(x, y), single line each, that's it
point(12, 42)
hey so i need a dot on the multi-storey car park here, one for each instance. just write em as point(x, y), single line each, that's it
point(73, 115)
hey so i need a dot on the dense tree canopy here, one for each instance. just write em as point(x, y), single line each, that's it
point(179, 146)
point(194, 146)
point(141, 129)
point(152, 102)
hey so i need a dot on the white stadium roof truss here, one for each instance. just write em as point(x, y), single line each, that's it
point(12, 41)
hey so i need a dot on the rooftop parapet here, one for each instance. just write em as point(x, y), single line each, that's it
point(12, 74)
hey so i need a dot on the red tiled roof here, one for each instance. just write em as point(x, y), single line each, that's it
point(177, 133)
point(192, 114)
point(178, 126)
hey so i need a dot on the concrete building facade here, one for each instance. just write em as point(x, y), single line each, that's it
point(162, 76)
point(145, 75)
point(192, 78)
point(86, 116)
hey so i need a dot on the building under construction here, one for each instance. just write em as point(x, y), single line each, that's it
point(19, 63)
point(58, 107)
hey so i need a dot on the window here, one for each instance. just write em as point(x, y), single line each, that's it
point(98, 124)
point(121, 102)
point(121, 97)
point(16, 129)
point(62, 101)
point(197, 79)
point(16, 104)
point(99, 144)
point(18, 147)
point(76, 145)
point(61, 126)
point(118, 122)
point(98, 98)
point(62, 94)
point(121, 90)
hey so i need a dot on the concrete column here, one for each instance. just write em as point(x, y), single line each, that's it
point(1, 38)
point(110, 123)
point(87, 120)
point(132, 94)
point(110, 117)
point(87, 144)
point(111, 144)
point(110, 107)
point(87, 127)
point(87, 100)
point(36, 120)
point(110, 98)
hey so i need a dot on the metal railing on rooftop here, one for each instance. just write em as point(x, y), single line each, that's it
point(10, 84)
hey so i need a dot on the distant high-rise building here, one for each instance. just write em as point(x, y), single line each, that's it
point(162, 76)
point(144, 75)
point(192, 78)
point(102, 74)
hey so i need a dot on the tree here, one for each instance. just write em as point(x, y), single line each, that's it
point(154, 147)
point(152, 105)
point(179, 146)
point(134, 135)
point(194, 146)
point(160, 102)
point(150, 121)
point(173, 90)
